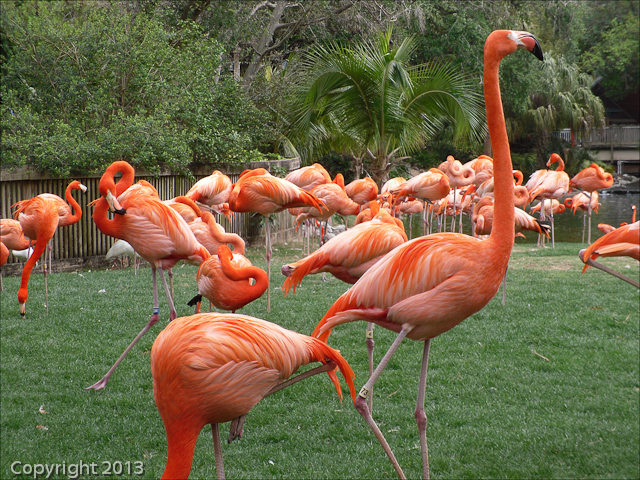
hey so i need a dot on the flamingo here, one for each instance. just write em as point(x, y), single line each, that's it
point(155, 231)
point(350, 254)
point(428, 285)
point(549, 184)
point(459, 176)
point(65, 209)
point(429, 186)
point(362, 190)
point(38, 217)
point(334, 198)
point(225, 279)
point(186, 207)
point(589, 180)
point(307, 178)
point(482, 167)
point(210, 234)
point(585, 202)
point(12, 236)
point(213, 368)
point(212, 191)
point(123, 249)
point(483, 210)
point(259, 191)
point(621, 242)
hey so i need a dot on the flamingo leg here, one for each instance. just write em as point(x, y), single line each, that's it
point(370, 345)
point(172, 309)
point(268, 256)
point(361, 399)
point(100, 384)
point(589, 222)
point(425, 216)
point(421, 417)
point(170, 273)
point(453, 220)
point(584, 225)
point(504, 288)
point(235, 431)
point(553, 234)
point(217, 449)
point(608, 270)
point(46, 290)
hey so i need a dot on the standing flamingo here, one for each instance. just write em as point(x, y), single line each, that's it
point(459, 176)
point(65, 209)
point(362, 190)
point(155, 231)
point(307, 178)
point(428, 285)
point(621, 242)
point(586, 202)
point(350, 254)
point(38, 219)
point(214, 368)
point(259, 191)
point(225, 279)
point(12, 236)
point(549, 184)
point(334, 198)
point(212, 191)
point(429, 186)
point(482, 167)
point(589, 180)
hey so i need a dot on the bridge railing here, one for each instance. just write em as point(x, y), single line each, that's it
point(614, 136)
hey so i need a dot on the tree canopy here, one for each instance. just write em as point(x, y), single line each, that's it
point(172, 84)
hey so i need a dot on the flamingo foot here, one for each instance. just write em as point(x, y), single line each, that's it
point(235, 431)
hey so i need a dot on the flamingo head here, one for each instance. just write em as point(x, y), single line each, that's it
point(107, 188)
point(505, 42)
point(76, 185)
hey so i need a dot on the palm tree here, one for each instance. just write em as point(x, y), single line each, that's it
point(563, 99)
point(368, 101)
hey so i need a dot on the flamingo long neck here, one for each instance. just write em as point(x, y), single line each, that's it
point(38, 250)
point(181, 443)
point(128, 175)
point(239, 274)
point(107, 226)
point(502, 232)
point(225, 238)
point(77, 211)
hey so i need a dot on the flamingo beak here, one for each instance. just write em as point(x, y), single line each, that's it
point(114, 205)
point(83, 188)
point(528, 41)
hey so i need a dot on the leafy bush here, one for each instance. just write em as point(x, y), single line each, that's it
point(86, 86)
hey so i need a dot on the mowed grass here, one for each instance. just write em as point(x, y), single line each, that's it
point(546, 386)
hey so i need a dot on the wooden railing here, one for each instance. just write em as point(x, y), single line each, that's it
point(83, 240)
point(614, 136)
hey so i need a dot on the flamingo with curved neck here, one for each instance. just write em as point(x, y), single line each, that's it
point(155, 231)
point(430, 284)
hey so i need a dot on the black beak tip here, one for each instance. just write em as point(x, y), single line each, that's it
point(120, 211)
point(537, 51)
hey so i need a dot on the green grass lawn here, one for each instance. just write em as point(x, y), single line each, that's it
point(546, 386)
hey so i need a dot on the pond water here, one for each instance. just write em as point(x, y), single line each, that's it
point(615, 208)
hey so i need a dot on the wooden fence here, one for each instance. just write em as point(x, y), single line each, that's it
point(83, 242)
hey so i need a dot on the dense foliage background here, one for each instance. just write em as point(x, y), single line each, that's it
point(177, 84)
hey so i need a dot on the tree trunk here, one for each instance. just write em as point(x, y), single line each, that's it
point(260, 48)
